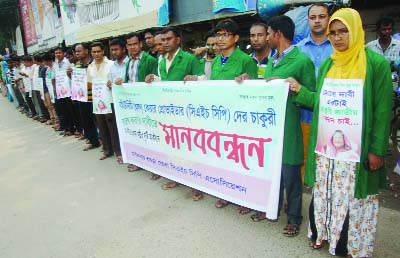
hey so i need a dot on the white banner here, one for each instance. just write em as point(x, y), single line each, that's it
point(220, 137)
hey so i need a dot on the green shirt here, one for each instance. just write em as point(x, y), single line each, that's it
point(377, 101)
point(183, 64)
point(297, 65)
point(147, 65)
point(238, 63)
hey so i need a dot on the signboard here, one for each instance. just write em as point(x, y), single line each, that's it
point(86, 20)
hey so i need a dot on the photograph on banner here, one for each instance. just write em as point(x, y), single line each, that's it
point(340, 119)
point(49, 84)
point(229, 147)
point(79, 85)
point(63, 87)
point(102, 97)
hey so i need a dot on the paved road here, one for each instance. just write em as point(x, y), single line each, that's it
point(57, 201)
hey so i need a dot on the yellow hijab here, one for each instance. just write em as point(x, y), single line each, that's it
point(352, 63)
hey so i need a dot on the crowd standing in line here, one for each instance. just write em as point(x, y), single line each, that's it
point(334, 49)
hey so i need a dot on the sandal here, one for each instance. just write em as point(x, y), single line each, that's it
point(315, 246)
point(119, 160)
point(258, 216)
point(77, 134)
point(169, 185)
point(243, 210)
point(155, 177)
point(104, 156)
point(91, 147)
point(67, 133)
point(133, 168)
point(291, 230)
point(197, 195)
point(221, 204)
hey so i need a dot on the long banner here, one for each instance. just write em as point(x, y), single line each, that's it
point(220, 137)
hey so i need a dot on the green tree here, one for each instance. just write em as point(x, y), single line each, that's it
point(9, 11)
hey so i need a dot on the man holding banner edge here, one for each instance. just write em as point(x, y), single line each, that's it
point(288, 62)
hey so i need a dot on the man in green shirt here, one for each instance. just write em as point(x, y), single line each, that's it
point(176, 65)
point(140, 63)
point(288, 62)
point(230, 64)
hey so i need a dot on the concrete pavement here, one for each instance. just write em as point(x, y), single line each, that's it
point(57, 201)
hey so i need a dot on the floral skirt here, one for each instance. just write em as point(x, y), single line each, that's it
point(333, 195)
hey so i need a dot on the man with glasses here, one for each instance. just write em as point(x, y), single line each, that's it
point(230, 64)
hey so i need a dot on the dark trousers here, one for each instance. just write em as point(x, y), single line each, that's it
point(70, 115)
point(291, 182)
point(88, 122)
point(76, 118)
point(109, 134)
point(341, 247)
point(58, 107)
point(19, 98)
point(30, 104)
point(41, 106)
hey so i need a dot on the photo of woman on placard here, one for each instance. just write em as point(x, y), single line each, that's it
point(340, 147)
point(101, 106)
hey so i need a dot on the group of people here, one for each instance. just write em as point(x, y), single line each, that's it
point(344, 207)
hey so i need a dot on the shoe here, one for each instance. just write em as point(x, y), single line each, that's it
point(91, 147)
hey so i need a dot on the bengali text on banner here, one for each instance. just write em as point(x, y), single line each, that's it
point(220, 137)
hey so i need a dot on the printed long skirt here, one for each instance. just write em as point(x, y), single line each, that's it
point(333, 196)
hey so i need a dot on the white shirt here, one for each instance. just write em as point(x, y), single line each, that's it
point(117, 71)
point(392, 52)
point(102, 72)
point(133, 68)
point(35, 71)
point(168, 63)
point(28, 71)
point(60, 66)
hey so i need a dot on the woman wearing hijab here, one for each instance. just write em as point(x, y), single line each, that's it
point(344, 208)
